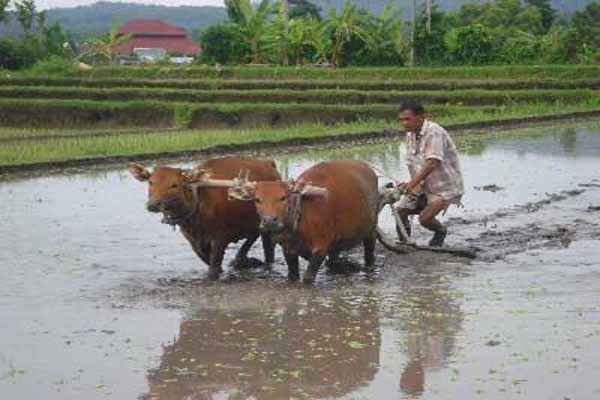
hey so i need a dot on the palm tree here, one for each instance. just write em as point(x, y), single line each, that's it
point(106, 45)
point(343, 27)
point(251, 21)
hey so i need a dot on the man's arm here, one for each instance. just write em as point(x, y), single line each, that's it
point(430, 165)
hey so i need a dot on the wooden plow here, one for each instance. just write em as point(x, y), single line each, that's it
point(388, 197)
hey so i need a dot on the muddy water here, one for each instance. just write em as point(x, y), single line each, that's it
point(99, 300)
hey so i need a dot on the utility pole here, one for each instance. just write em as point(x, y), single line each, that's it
point(286, 17)
point(413, 32)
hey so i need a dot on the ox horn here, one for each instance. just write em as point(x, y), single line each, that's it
point(307, 189)
point(201, 178)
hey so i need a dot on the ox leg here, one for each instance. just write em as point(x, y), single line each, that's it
point(369, 248)
point(216, 259)
point(333, 257)
point(268, 248)
point(293, 264)
point(241, 258)
point(313, 267)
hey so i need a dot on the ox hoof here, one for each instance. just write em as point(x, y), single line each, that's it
point(213, 275)
point(309, 277)
point(247, 263)
point(293, 277)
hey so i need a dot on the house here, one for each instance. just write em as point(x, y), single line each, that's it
point(153, 40)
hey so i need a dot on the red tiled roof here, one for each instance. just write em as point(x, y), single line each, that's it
point(151, 27)
point(176, 46)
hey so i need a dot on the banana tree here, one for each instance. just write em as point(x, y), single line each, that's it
point(106, 45)
point(386, 44)
point(342, 27)
point(252, 22)
point(308, 36)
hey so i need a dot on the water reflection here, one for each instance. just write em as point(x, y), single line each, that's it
point(314, 348)
point(431, 320)
point(568, 141)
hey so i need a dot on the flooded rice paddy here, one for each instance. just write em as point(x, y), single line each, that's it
point(99, 300)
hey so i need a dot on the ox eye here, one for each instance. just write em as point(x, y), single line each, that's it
point(257, 201)
point(174, 186)
point(283, 198)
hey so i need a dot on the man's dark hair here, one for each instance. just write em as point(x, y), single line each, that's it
point(414, 106)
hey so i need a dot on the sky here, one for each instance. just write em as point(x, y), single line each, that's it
point(44, 4)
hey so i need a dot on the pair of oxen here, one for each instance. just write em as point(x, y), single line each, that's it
point(331, 207)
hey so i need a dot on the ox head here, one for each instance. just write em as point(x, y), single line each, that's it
point(278, 203)
point(173, 191)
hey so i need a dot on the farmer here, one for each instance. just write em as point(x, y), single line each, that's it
point(436, 180)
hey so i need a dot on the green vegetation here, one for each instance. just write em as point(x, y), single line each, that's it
point(16, 151)
point(507, 32)
point(253, 84)
point(466, 97)
point(59, 110)
point(510, 72)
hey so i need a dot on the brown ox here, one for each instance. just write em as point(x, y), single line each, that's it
point(197, 201)
point(332, 207)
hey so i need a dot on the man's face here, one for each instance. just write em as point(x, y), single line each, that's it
point(410, 121)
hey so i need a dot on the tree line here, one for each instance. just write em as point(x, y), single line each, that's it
point(298, 32)
point(38, 40)
point(493, 32)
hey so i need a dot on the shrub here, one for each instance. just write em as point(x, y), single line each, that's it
point(471, 44)
point(54, 65)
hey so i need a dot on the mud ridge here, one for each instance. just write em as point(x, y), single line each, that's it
point(497, 245)
point(526, 208)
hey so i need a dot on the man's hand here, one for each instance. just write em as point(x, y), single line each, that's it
point(410, 187)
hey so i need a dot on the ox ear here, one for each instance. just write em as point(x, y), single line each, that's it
point(139, 172)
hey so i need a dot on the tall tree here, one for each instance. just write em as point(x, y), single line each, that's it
point(546, 10)
point(587, 25)
point(3, 8)
point(304, 8)
point(26, 15)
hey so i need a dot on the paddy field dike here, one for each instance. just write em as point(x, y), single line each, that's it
point(134, 112)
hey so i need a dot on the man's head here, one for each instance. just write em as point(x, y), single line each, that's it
point(411, 116)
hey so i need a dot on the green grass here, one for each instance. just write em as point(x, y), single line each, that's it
point(525, 72)
point(87, 114)
point(472, 96)
point(359, 84)
point(384, 73)
point(25, 152)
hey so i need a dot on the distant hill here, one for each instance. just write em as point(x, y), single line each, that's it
point(97, 18)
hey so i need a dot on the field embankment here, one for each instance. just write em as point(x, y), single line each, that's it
point(130, 111)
